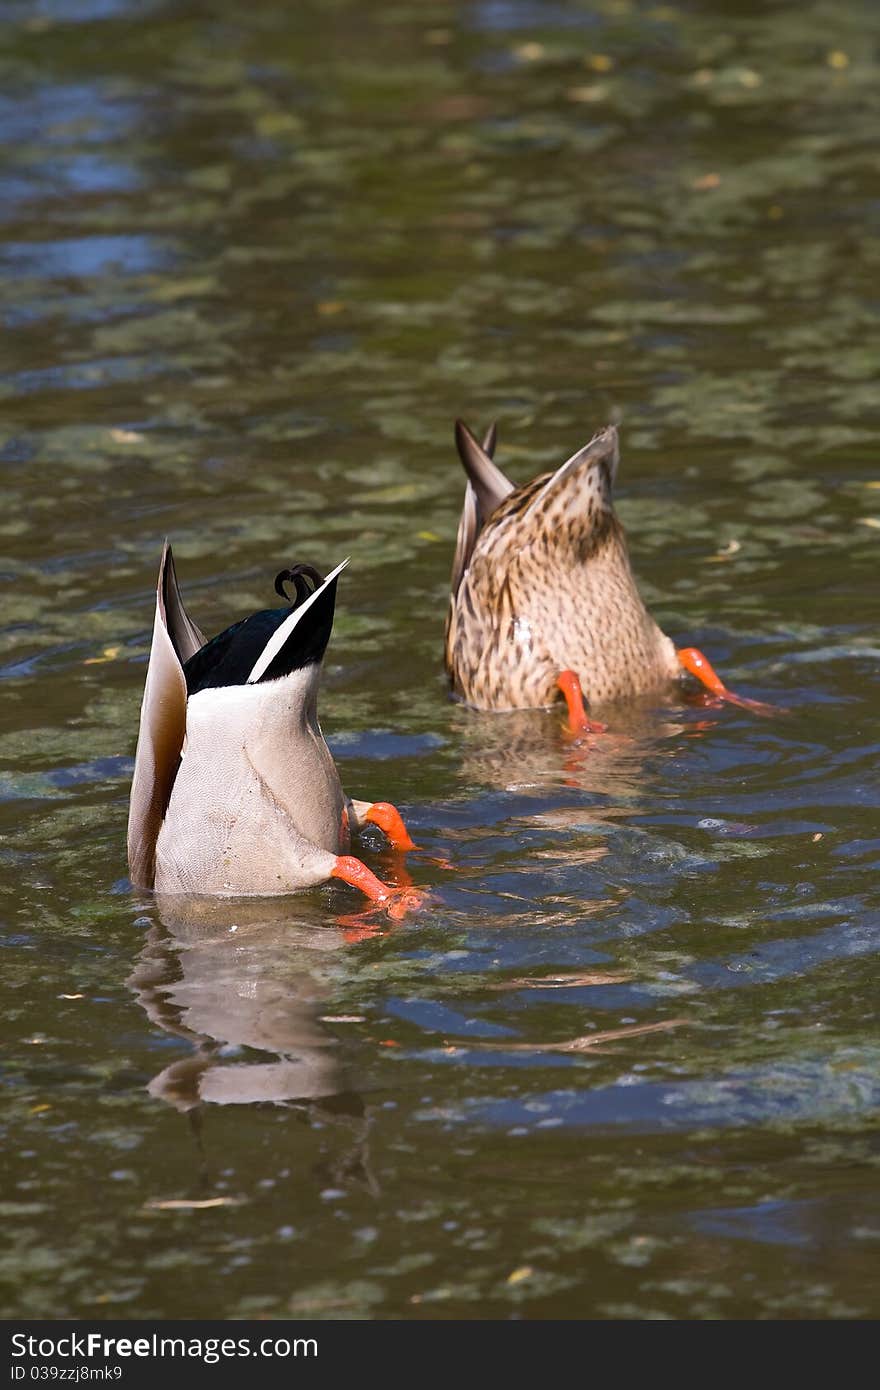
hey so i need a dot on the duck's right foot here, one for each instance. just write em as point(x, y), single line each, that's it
point(390, 821)
point(699, 666)
point(578, 722)
point(396, 901)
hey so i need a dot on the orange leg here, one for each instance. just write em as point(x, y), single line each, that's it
point(699, 666)
point(352, 871)
point(389, 820)
point(578, 723)
point(396, 901)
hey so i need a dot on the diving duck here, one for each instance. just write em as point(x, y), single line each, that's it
point(543, 595)
point(234, 789)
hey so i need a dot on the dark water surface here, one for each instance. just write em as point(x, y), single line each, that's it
point(254, 259)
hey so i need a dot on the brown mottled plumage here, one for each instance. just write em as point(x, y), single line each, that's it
point(542, 583)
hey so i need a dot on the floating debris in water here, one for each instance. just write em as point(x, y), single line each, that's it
point(732, 547)
point(582, 1044)
point(572, 981)
point(194, 1204)
point(596, 91)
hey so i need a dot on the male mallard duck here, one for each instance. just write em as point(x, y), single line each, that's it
point(543, 595)
point(234, 789)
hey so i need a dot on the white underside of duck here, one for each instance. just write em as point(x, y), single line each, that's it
point(239, 820)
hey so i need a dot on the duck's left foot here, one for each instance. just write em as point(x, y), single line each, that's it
point(696, 664)
point(578, 722)
point(390, 821)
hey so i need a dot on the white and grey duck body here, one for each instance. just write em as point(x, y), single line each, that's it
point(235, 791)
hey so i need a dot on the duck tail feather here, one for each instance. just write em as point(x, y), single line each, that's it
point(489, 483)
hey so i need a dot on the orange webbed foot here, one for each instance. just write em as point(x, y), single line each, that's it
point(699, 666)
point(396, 901)
point(405, 900)
point(578, 722)
point(390, 821)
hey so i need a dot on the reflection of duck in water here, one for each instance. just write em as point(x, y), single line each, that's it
point(523, 753)
point(235, 791)
point(543, 595)
point(240, 977)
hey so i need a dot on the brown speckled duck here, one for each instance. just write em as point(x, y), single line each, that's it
point(543, 595)
point(235, 791)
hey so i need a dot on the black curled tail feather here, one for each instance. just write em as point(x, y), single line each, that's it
point(231, 656)
point(305, 580)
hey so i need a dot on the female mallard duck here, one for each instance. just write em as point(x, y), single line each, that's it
point(234, 789)
point(543, 595)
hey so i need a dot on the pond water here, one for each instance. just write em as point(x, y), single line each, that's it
point(255, 259)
